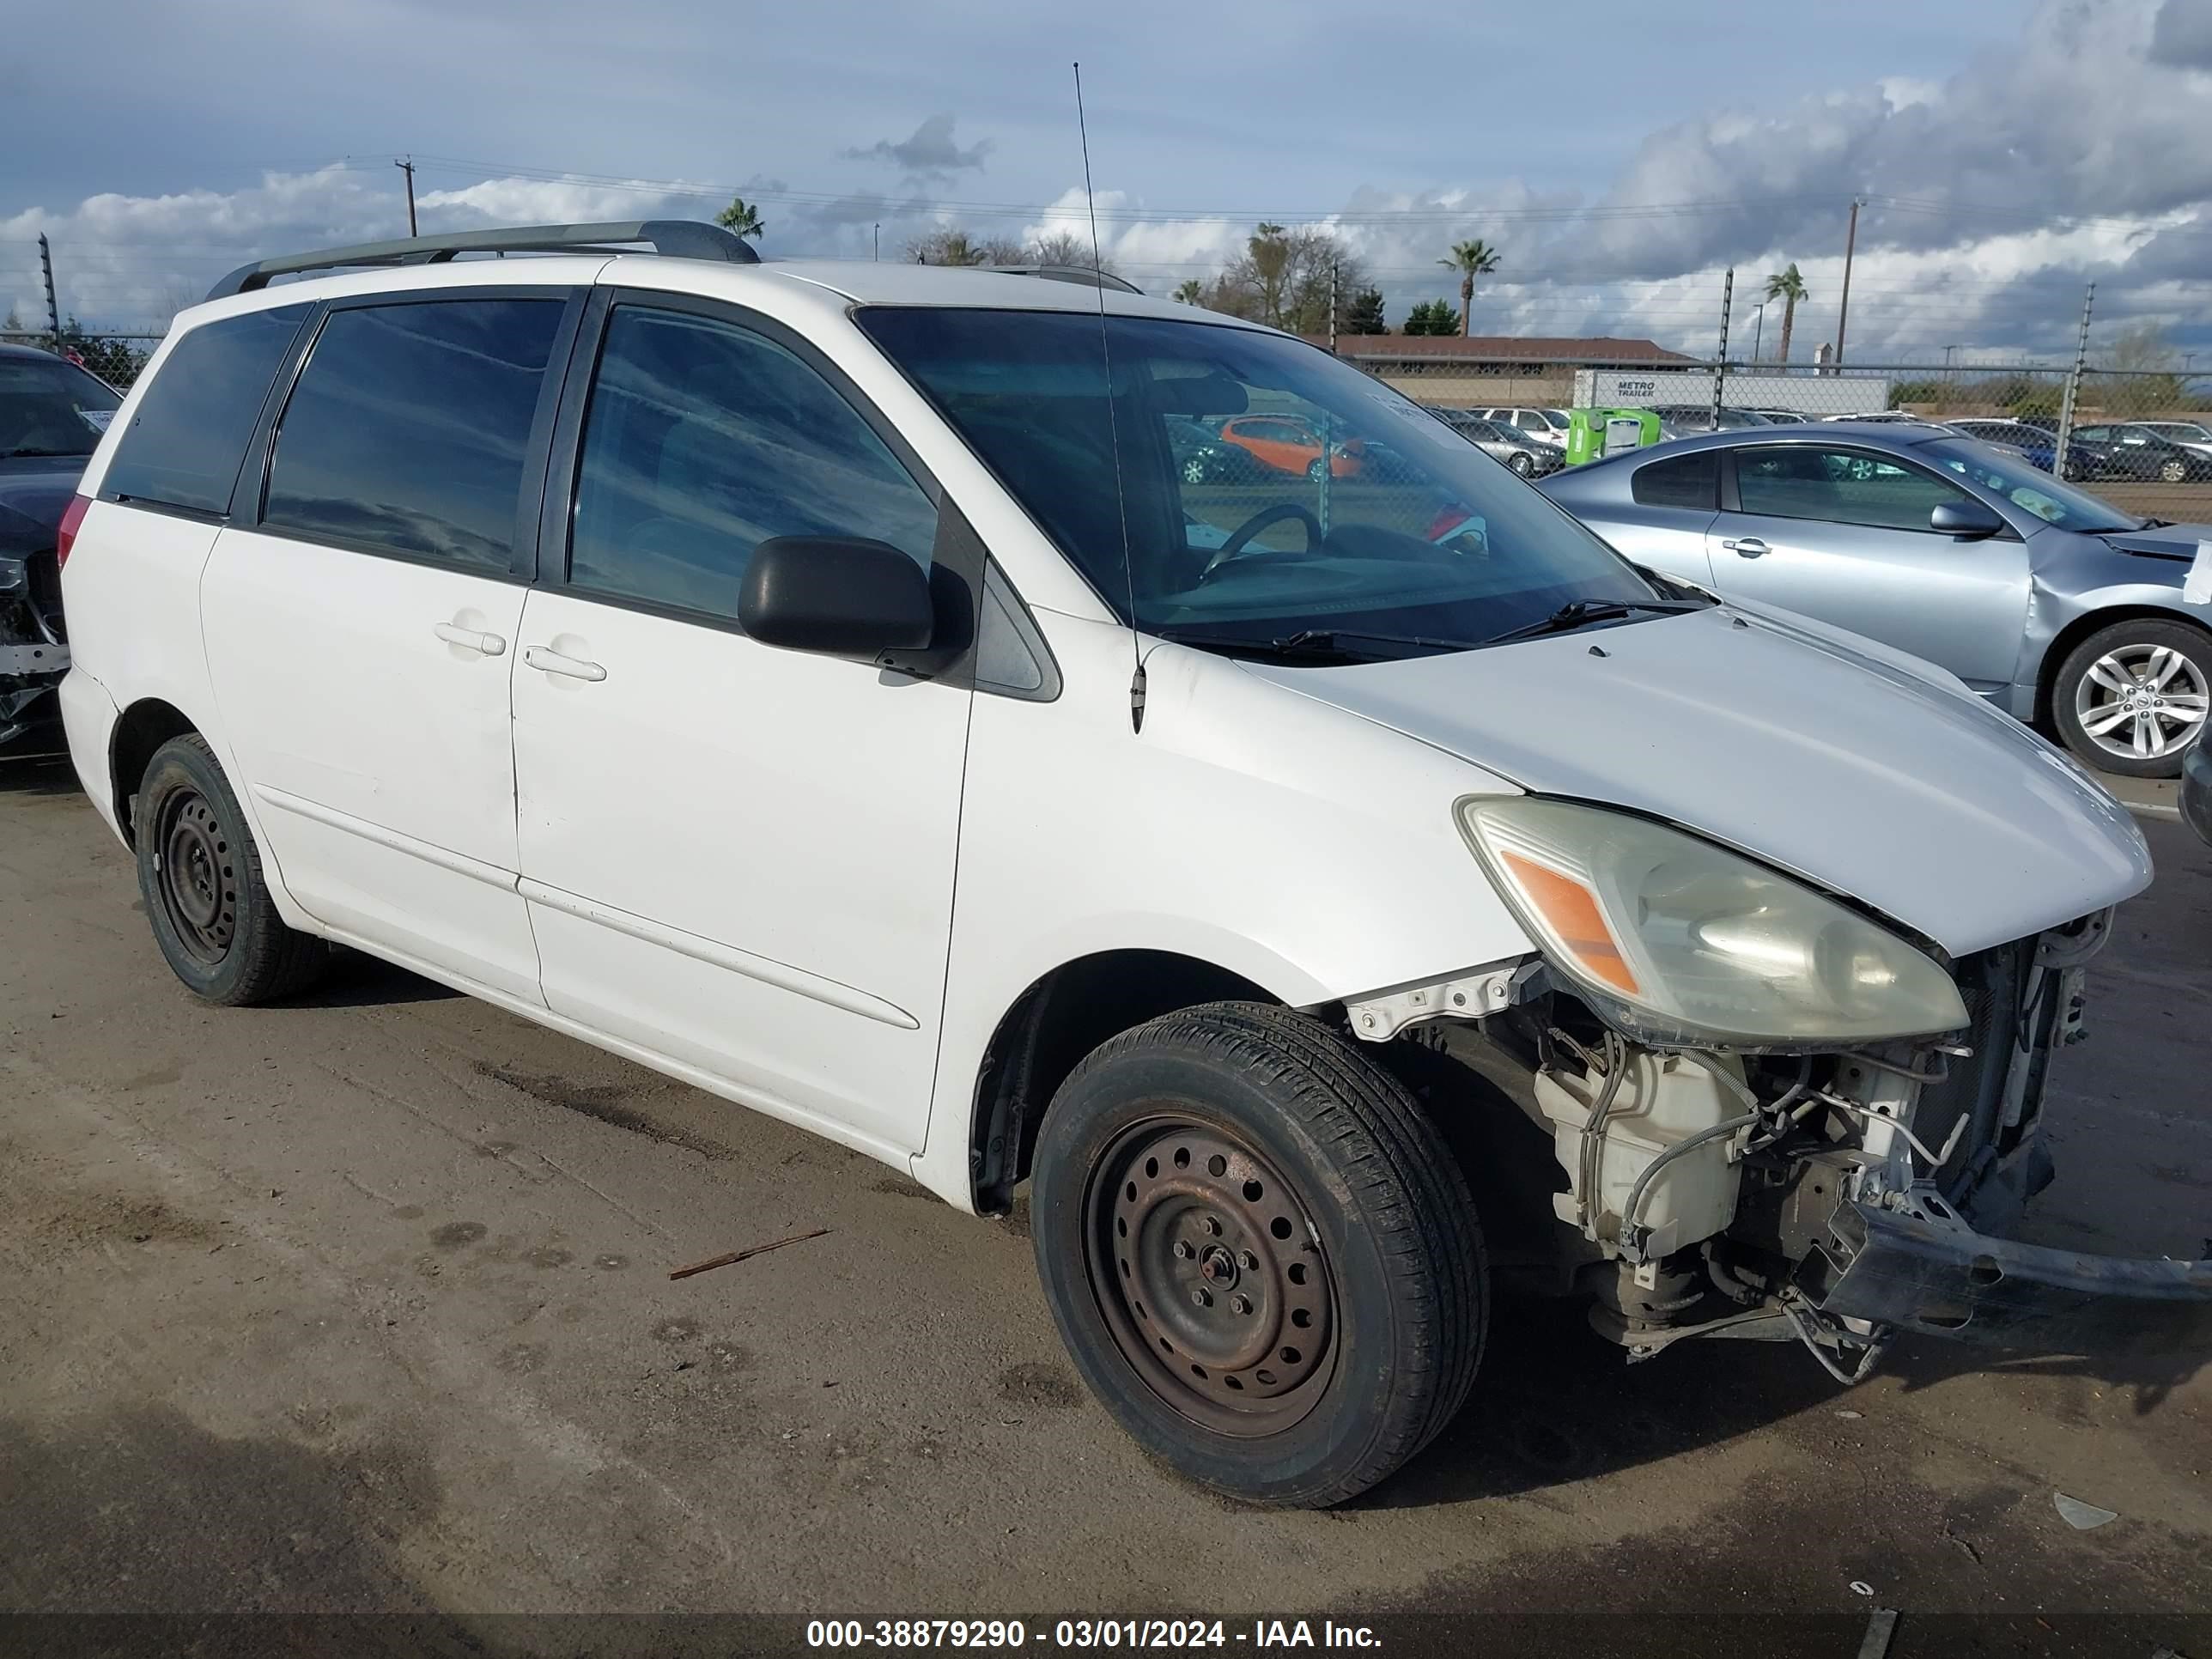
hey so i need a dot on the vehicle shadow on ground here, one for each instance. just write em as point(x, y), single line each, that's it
point(1556, 1403)
point(364, 981)
point(45, 776)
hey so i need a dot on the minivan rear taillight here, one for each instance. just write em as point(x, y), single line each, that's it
point(65, 538)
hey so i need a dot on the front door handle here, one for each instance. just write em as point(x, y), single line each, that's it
point(546, 660)
point(487, 645)
point(1747, 547)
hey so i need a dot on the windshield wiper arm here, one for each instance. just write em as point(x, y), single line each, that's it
point(1575, 613)
point(1312, 642)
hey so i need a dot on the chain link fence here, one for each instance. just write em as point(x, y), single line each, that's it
point(2141, 439)
point(118, 359)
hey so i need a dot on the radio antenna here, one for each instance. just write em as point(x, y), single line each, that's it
point(1113, 424)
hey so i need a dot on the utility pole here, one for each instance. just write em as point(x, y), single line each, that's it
point(1946, 406)
point(1332, 307)
point(1843, 309)
point(407, 167)
point(1720, 362)
point(53, 310)
point(2073, 388)
point(1758, 328)
point(879, 242)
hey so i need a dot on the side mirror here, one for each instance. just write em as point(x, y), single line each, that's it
point(1969, 519)
point(835, 595)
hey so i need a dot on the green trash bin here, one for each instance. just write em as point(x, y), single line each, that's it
point(1594, 432)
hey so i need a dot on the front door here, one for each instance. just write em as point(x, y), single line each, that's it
point(360, 636)
point(737, 857)
point(1841, 534)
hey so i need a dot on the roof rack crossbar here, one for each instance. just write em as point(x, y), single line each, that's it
point(683, 239)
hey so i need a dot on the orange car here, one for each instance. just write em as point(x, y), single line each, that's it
point(1286, 444)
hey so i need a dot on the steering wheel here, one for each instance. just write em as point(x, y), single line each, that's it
point(1259, 521)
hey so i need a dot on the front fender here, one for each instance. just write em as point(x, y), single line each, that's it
point(1300, 847)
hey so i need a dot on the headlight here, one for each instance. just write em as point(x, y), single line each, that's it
point(1679, 942)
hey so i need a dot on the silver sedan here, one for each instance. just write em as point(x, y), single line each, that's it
point(2059, 608)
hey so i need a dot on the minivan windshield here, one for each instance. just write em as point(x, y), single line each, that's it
point(49, 406)
point(1268, 493)
point(2028, 486)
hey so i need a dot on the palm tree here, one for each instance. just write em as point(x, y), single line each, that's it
point(1787, 286)
point(1471, 259)
point(1191, 292)
point(740, 218)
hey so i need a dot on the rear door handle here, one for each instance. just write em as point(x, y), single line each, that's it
point(489, 645)
point(546, 660)
point(1747, 547)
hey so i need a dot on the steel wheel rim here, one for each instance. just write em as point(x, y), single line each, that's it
point(1212, 1278)
point(2141, 701)
point(197, 878)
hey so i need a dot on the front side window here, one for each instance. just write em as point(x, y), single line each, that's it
point(188, 434)
point(1406, 531)
point(703, 440)
point(50, 407)
point(1843, 486)
point(409, 428)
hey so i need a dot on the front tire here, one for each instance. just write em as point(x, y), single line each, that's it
point(1521, 465)
point(2132, 697)
point(1262, 1257)
point(199, 873)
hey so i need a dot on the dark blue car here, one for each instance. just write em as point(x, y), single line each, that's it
point(52, 414)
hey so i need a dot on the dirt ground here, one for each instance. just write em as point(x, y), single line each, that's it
point(361, 1304)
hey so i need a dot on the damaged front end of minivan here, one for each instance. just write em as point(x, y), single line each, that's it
point(1767, 1115)
point(33, 651)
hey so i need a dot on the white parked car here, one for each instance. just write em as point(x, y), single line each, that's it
point(1543, 426)
point(807, 681)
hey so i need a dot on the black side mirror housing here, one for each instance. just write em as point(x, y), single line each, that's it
point(1965, 518)
point(837, 596)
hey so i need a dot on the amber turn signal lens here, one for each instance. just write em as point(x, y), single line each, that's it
point(1572, 911)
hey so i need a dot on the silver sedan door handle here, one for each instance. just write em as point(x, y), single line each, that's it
point(489, 645)
point(546, 660)
point(1747, 547)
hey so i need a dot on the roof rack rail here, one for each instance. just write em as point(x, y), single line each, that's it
point(1083, 273)
point(683, 239)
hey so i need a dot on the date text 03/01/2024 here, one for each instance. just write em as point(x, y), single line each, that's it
point(1263, 1634)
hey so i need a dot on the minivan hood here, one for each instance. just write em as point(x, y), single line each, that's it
point(1862, 775)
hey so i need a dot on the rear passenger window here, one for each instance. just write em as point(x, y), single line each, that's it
point(1684, 481)
point(409, 426)
point(702, 440)
point(188, 435)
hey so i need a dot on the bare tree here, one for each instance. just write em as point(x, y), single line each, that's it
point(949, 245)
point(1284, 277)
point(1066, 248)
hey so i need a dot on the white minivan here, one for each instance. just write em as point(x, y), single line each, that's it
point(1339, 897)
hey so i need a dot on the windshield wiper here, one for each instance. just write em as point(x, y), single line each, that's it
point(1577, 613)
point(1312, 642)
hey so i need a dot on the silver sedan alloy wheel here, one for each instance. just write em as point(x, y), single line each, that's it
point(2141, 700)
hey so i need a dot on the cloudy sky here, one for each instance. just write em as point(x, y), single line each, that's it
point(1621, 155)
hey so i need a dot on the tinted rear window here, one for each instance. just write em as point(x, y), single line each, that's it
point(50, 407)
point(1685, 481)
point(408, 430)
point(188, 434)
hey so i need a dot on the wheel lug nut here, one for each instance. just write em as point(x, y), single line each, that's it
point(1212, 1227)
point(1183, 1252)
point(1202, 1298)
point(1240, 1304)
point(1249, 1262)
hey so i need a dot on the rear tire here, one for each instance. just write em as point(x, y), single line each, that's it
point(2089, 697)
point(1317, 1287)
point(199, 873)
